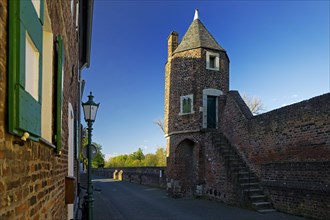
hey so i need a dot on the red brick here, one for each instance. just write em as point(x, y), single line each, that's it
point(21, 209)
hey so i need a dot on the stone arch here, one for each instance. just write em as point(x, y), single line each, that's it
point(185, 166)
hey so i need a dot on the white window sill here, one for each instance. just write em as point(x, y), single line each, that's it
point(190, 113)
point(215, 69)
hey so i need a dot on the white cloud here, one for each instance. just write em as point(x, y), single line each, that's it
point(143, 147)
point(294, 96)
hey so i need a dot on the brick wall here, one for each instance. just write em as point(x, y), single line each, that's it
point(288, 148)
point(186, 74)
point(32, 176)
point(301, 188)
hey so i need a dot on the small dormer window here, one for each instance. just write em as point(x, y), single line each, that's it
point(212, 61)
point(186, 105)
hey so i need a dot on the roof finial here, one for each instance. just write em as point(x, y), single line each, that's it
point(196, 14)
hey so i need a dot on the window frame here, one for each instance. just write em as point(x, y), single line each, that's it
point(216, 57)
point(182, 99)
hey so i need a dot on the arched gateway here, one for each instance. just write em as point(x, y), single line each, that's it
point(185, 166)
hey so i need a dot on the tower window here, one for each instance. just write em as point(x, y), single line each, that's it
point(212, 61)
point(186, 105)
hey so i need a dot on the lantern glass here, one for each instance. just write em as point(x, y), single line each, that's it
point(90, 109)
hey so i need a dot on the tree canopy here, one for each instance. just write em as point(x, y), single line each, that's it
point(98, 160)
point(138, 159)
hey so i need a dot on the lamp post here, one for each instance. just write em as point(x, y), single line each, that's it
point(90, 109)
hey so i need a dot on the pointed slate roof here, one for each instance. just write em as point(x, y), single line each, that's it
point(198, 36)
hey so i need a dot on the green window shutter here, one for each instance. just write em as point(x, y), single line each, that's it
point(77, 137)
point(24, 111)
point(59, 92)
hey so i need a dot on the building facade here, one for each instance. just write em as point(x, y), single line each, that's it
point(44, 46)
point(217, 148)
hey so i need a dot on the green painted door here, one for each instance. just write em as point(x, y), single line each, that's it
point(211, 112)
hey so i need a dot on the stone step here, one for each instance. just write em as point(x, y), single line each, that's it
point(253, 191)
point(266, 210)
point(262, 205)
point(235, 162)
point(254, 184)
point(221, 143)
point(238, 166)
point(238, 169)
point(225, 151)
point(231, 157)
point(258, 198)
point(242, 174)
point(247, 179)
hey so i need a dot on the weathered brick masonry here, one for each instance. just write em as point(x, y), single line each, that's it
point(32, 183)
point(154, 176)
point(277, 159)
point(289, 149)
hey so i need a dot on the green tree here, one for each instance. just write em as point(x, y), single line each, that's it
point(138, 155)
point(138, 159)
point(161, 157)
point(150, 160)
point(98, 160)
point(118, 161)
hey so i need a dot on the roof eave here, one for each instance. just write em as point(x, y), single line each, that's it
point(192, 48)
point(85, 32)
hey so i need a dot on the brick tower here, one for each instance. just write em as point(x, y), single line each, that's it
point(196, 83)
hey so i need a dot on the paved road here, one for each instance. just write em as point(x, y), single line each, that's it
point(124, 200)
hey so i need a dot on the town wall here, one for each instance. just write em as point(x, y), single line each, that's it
point(153, 176)
point(32, 184)
point(288, 149)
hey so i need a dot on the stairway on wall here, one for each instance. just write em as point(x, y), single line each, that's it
point(242, 175)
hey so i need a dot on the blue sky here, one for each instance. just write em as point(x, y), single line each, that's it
point(279, 52)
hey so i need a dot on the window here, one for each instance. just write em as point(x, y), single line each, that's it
point(47, 81)
point(186, 105)
point(212, 61)
point(32, 84)
point(31, 68)
point(25, 67)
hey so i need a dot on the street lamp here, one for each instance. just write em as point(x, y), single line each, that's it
point(90, 109)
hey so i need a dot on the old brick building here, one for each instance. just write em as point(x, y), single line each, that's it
point(217, 148)
point(44, 46)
